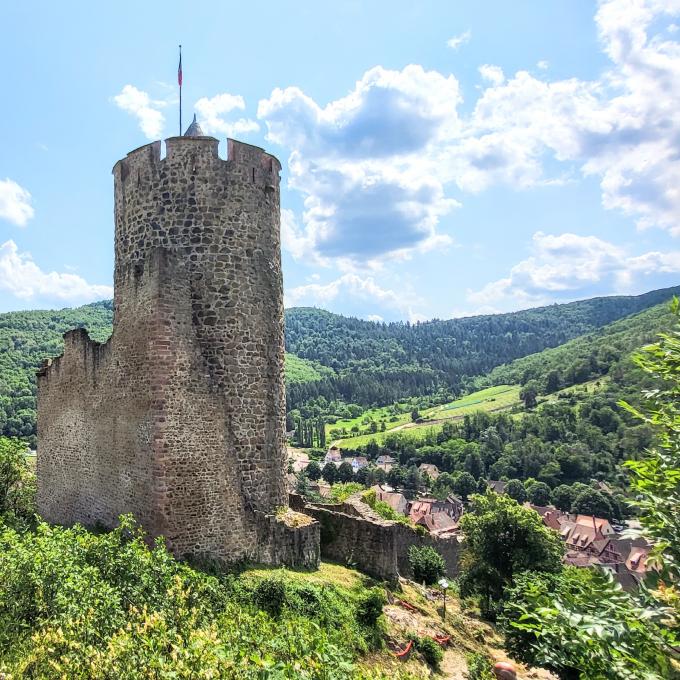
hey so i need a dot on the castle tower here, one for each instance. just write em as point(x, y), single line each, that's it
point(180, 417)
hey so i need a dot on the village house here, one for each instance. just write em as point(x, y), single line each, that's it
point(357, 463)
point(385, 462)
point(333, 456)
point(438, 524)
point(397, 501)
point(497, 486)
point(452, 506)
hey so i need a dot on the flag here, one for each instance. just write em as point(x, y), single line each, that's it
point(179, 71)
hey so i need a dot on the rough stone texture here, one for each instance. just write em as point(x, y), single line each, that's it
point(180, 417)
point(351, 533)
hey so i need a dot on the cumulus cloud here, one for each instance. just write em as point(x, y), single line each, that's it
point(15, 203)
point(378, 168)
point(147, 111)
point(459, 40)
point(356, 162)
point(566, 267)
point(359, 288)
point(211, 112)
point(22, 277)
point(491, 73)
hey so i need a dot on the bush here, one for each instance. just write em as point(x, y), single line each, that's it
point(85, 606)
point(270, 595)
point(431, 651)
point(478, 667)
point(426, 563)
point(580, 624)
point(370, 607)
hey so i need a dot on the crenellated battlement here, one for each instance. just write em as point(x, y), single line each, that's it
point(193, 154)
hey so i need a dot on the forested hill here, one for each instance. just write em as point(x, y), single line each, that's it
point(381, 363)
point(337, 357)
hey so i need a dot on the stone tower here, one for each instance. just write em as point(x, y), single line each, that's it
point(180, 417)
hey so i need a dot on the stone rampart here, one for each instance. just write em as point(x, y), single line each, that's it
point(180, 417)
point(352, 534)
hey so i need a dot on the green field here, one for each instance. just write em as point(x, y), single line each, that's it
point(491, 399)
point(301, 370)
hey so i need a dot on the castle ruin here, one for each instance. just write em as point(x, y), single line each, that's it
point(179, 418)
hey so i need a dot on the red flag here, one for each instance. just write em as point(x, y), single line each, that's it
point(179, 71)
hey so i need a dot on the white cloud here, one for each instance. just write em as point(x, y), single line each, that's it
point(357, 162)
point(567, 267)
point(211, 113)
point(377, 167)
point(15, 203)
point(543, 64)
point(22, 277)
point(139, 104)
point(491, 73)
point(359, 288)
point(458, 40)
point(375, 317)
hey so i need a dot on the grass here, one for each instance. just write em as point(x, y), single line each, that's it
point(388, 414)
point(497, 398)
point(489, 400)
point(300, 370)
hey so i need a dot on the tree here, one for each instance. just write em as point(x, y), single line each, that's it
point(503, 539)
point(464, 485)
point(302, 484)
point(427, 565)
point(345, 472)
point(552, 381)
point(17, 483)
point(313, 471)
point(539, 493)
point(413, 481)
point(415, 415)
point(592, 502)
point(330, 473)
point(563, 497)
point(529, 393)
point(578, 623)
point(515, 489)
point(396, 477)
point(474, 465)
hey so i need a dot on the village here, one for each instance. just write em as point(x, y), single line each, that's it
point(589, 540)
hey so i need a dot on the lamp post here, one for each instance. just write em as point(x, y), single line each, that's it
point(444, 584)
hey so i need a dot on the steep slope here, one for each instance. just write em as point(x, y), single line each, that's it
point(586, 357)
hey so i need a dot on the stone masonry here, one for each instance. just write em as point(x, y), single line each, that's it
point(180, 417)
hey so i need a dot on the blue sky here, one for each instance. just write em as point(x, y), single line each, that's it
point(440, 158)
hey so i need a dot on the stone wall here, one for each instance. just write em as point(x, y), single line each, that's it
point(180, 417)
point(352, 534)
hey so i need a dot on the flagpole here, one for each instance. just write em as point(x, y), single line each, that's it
point(179, 78)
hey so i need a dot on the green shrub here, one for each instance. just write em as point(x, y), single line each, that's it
point(270, 595)
point(370, 607)
point(478, 667)
point(96, 606)
point(426, 563)
point(431, 651)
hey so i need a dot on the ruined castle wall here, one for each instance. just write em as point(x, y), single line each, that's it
point(351, 533)
point(180, 417)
